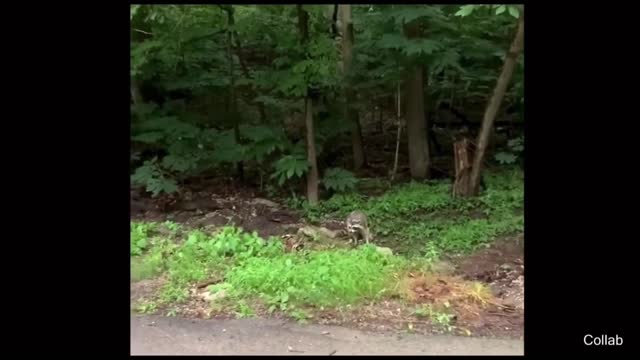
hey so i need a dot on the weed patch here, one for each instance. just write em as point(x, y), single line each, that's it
point(199, 257)
point(320, 278)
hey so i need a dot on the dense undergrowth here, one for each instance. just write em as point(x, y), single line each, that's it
point(418, 218)
point(249, 267)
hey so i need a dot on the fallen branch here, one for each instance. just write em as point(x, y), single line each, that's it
point(208, 282)
point(142, 31)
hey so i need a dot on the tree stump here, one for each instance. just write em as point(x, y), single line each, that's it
point(462, 159)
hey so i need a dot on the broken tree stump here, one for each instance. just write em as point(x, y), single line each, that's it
point(462, 180)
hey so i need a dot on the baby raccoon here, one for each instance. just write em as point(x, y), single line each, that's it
point(358, 227)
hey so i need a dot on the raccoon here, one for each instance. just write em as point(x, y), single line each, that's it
point(358, 227)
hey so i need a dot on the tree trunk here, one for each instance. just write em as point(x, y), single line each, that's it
point(312, 176)
point(232, 87)
point(416, 122)
point(351, 114)
point(494, 105)
point(245, 72)
point(399, 122)
point(416, 125)
point(462, 165)
point(136, 95)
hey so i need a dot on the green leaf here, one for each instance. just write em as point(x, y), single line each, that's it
point(134, 10)
point(506, 158)
point(513, 11)
point(149, 138)
point(393, 41)
point(422, 46)
point(501, 9)
point(465, 10)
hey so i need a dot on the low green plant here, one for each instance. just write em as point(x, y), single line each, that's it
point(439, 318)
point(339, 180)
point(139, 237)
point(290, 166)
point(318, 278)
point(300, 315)
point(204, 255)
point(172, 226)
point(146, 307)
point(244, 310)
point(154, 178)
point(515, 147)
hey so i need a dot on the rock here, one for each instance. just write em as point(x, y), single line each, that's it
point(314, 232)
point(208, 296)
point(384, 250)
point(507, 267)
point(327, 232)
point(265, 202)
point(443, 267)
point(140, 206)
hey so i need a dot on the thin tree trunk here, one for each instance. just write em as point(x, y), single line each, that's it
point(245, 72)
point(312, 176)
point(232, 87)
point(416, 125)
point(416, 122)
point(398, 120)
point(351, 114)
point(494, 105)
point(136, 95)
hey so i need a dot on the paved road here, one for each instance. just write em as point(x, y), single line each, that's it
point(155, 335)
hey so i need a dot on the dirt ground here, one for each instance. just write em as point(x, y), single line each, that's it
point(500, 267)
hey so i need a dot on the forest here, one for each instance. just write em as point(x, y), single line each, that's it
point(268, 140)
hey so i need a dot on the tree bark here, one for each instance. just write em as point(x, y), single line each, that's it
point(232, 87)
point(462, 166)
point(494, 105)
point(416, 123)
point(245, 72)
point(136, 95)
point(351, 114)
point(312, 175)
